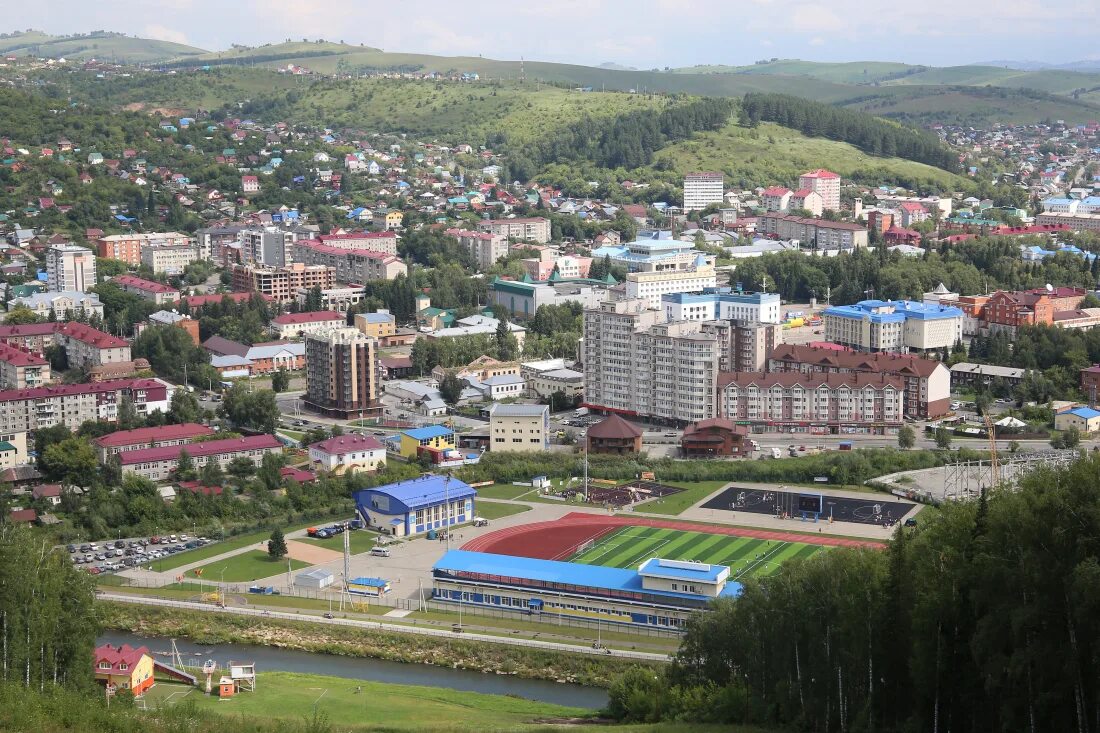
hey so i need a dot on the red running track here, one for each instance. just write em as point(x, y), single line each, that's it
point(555, 540)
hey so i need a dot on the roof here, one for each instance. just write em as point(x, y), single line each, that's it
point(499, 410)
point(23, 515)
point(965, 367)
point(819, 173)
point(369, 582)
point(271, 349)
point(614, 427)
point(140, 283)
point(317, 574)
point(308, 317)
point(58, 390)
point(889, 363)
point(208, 448)
point(18, 357)
point(854, 379)
point(198, 301)
point(224, 347)
point(1085, 413)
point(149, 435)
point(124, 654)
point(553, 571)
point(344, 444)
point(426, 490)
point(431, 431)
point(683, 570)
point(91, 336)
point(715, 422)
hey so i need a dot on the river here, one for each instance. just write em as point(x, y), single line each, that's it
point(271, 659)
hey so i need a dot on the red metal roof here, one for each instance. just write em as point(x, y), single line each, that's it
point(115, 656)
point(149, 435)
point(614, 427)
point(343, 444)
point(308, 317)
point(141, 283)
point(819, 173)
point(18, 357)
point(208, 448)
point(58, 390)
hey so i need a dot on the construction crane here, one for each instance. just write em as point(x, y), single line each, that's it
point(994, 464)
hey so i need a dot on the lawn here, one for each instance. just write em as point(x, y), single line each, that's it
point(502, 491)
point(227, 545)
point(631, 546)
point(362, 705)
point(496, 510)
point(693, 493)
point(360, 541)
point(247, 566)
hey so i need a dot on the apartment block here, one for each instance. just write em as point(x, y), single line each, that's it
point(927, 383)
point(378, 325)
point(62, 305)
point(269, 246)
point(161, 436)
point(87, 347)
point(384, 242)
point(342, 373)
point(534, 229)
point(813, 233)
point(702, 189)
point(159, 293)
point(485, 247)
point(744, 346)
point(21, 369)
point(519, 428)
point(722, 304)
point(297, 325)
point(817, 403)
point(825, 184)
point(653, 285)
point(127, 247)
point(27, 410)
point(171, 259)
point(902, 325)
point(608, 348)
point(158, 464)
point(281, 284)
point(349, 265)
point(70, 268)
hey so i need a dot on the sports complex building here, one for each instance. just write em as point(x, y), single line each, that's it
point(659, 594)
point(416, 506)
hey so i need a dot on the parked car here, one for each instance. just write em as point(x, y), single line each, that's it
point(380, 552)
point(72, 548)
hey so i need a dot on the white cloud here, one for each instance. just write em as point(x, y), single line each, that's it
point(815, 19)
point(817, 41)
point(161, 33)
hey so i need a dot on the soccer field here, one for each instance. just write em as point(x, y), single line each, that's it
point(745, 556)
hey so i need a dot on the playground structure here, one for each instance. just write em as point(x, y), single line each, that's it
point(964, 480)
point(241, 677)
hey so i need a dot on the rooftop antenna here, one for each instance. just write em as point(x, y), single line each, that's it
point(764, 284)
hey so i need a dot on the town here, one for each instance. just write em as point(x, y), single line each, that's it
point(521, 390)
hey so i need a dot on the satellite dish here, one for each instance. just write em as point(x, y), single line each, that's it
point(1050, 288)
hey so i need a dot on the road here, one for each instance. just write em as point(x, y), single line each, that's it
point(396, 628)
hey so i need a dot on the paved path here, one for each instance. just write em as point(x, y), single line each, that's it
point(397, 628)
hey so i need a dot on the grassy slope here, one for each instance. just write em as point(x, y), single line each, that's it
point(774, 154)
point(108, 47)
point(246, 567)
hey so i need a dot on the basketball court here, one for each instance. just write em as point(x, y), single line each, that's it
point(811, 506)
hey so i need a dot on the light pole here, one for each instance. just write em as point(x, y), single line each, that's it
point(221, 583)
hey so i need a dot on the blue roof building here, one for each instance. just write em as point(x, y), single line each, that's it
point(893, 325)
point(416, 506)
point(660, 593)
point(721, 304)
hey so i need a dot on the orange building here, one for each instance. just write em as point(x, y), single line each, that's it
point(125, 667)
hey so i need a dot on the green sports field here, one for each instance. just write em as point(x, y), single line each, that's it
point(745, 556)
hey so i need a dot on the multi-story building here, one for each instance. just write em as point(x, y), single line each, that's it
point(378, 325)
point(87, 347)
point(21, 369)
point(722, 304)
point(825, 184)
point(70, 268)
point(27, 410)
point(62, 306)
point(776, 198)
point(171, 259)
point(281, 284)
point(930, 203)
point(334, 299)
point(1080, 222)
point(196, 303)
point(927, 383)
point(653, 251)
point(297, 325)
point(877, 325)
point(485, 247)
point(523, 299)
point(609, 331)
point(342, 373)
point(159, 293)
point(807, 200)
point(519, 428)
point(161, 436)
point(268, 246)
point(813, 403)
point(211, 241)
point(157, 464)
point(348, 454)
point(128, 247)
point(744, 346)
point(384, 242)
point(349, 265)
point(701, 190)
point(653, 284)
point(813, 233)
point(534, 229)
point(1007, 310)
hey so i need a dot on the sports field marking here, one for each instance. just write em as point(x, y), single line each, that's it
point(170, 699)
point(612, 544)
point(762, 560)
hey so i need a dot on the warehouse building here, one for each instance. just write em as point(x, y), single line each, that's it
point(416, 506)
point(659, 594)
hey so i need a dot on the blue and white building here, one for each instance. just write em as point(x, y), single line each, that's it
point(722, 304)
point(893, 325)
point(658, 594)
point(653, 251)
point(416, 506)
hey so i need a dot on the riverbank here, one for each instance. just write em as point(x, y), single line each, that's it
point(205, 628)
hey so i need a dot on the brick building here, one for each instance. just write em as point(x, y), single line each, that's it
point(157, 464)
point(715, 437)
point(281, 284)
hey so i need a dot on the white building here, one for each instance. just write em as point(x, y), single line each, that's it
point(722, 305)
point(824, 183)
point(701, 190)
point(60, 304)
point(652, 285)
point(877, 325)
point(485, 247)
point(171, 259)
point(519, 428)
point(348, 454)
point(70, 269)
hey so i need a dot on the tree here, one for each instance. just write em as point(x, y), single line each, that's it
point(280, 381)
point(276, 546)
point(943, 438)
point(185, 466)
point(450, 388)
point(21, 315)
point(185, 407)
point(72, 461)
point(507, 346)
point(256, 410)
point(982, 401)
point(1071, 438)
point(268, 474)
point(314, 300)
point(241, 468)
point(906, 437)
point(211, 474)
point(128, 417)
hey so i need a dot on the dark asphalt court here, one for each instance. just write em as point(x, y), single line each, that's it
point(844, 509)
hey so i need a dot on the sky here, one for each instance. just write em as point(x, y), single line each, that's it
point(641, 33)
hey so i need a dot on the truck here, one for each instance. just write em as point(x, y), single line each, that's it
point(776, 453)
point(263, 590)
point(846, 445)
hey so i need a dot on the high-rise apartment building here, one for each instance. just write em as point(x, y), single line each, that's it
point(744, 346)
point(70, 268)
point(825, 184)
point(701, 190)
point(342, 373)
point(281, 284)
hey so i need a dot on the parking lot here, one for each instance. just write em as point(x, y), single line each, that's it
point(110, 556)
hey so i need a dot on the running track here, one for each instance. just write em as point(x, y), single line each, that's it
point(557, 540)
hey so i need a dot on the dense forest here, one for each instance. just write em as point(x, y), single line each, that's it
point(985, 617)
point(626, 141)
point(870, 134)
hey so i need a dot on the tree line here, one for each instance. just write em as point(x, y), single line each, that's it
point(984, 617)
point(868, 133)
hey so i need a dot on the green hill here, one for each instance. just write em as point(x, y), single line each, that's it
point(771, 154)
point(101, 45)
